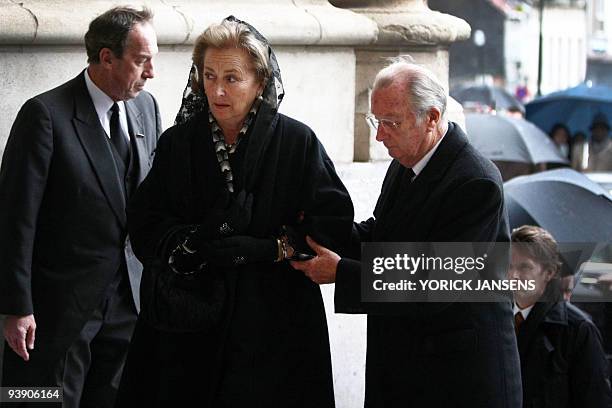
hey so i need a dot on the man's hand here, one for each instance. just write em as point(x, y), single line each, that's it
point(322, 268)
point(19, 331)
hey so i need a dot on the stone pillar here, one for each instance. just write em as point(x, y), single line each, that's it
point(41, 46)
point(405, 27)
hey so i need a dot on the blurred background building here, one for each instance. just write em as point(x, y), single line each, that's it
point(504, 44)
point(599, 51)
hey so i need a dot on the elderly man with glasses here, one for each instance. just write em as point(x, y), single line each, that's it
point(438, 188)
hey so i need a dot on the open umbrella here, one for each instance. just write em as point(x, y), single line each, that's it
point(564, 202)
point(577, 212)
point(493, 96)
point(510, 139)
point(574, 107)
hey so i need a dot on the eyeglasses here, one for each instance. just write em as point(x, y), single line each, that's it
point(375, 122)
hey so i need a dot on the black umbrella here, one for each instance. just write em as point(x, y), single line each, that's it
point(510, 139)
point(564, 202)
point(493, 96)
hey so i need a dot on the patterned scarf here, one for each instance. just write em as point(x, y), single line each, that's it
point(222, 149)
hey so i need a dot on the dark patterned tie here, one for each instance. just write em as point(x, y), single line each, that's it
point(518, 320)
point(117, 137)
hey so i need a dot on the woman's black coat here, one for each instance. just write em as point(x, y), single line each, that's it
point(273, 348)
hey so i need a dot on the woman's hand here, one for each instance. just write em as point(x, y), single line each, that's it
point(240, 249)
point(322, 268)
point(233, 220)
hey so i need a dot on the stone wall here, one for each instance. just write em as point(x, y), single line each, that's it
point(406, 27)
point(41, 46)
point(319, 88)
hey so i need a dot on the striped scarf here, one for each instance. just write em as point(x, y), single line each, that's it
point(222, 149)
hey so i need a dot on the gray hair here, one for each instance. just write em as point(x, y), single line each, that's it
point(423, 90)
point(231, 34)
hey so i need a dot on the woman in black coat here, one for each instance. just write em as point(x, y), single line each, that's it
point(562, 360)
point(224, 181)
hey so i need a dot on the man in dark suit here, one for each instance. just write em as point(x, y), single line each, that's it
point(69, 281)
point(437, 189)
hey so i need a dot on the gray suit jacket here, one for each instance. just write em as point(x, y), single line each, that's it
point(63, 230)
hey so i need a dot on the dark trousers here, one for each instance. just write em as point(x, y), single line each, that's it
point(90, 370)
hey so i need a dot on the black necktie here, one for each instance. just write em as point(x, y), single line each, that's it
point(117, 137)
point(402, 180)
point(408, 176)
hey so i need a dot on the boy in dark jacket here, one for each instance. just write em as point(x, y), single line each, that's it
point(562, 359)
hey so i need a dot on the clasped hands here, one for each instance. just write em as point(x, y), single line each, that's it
point(322, 268)
point(221, 240)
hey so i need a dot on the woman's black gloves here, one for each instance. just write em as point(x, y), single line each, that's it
point(226, 220)
point(187, 253)
point(220, 239)
point(240, 250)
point(222, 222)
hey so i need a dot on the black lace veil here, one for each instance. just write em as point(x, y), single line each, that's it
point(195, 102)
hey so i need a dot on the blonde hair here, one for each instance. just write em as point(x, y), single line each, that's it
point(230, 34)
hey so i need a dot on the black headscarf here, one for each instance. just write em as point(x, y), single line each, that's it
point(195, 102)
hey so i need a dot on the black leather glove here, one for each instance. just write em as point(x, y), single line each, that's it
point(240, 249)
point(294, 239)
point(226, 220)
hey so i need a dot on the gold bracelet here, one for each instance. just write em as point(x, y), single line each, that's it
point(281, 251)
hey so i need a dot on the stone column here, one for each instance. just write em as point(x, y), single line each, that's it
point(405, 27)
point(41, 46)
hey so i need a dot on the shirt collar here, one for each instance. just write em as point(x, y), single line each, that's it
point(420, 165)
point(102, 102)
point(525, 312)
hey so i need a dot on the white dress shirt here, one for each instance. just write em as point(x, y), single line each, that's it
point(103, 103)
point(525, 312)
point(420, 165)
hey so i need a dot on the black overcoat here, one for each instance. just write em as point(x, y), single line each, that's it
point(434, 355)
point(273, 348)
point(562, 360)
